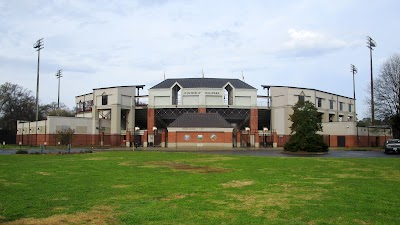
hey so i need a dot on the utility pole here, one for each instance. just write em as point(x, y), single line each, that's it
point(39, 46)
point(58, 75)
point(371, 44)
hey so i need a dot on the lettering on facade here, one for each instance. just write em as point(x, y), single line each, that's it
point(192, 92)
point(199, 92)
point(212, 92)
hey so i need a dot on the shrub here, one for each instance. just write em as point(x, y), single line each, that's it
point(21, 152)
point(308, 143)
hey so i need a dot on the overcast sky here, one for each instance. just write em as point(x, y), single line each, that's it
point(302, 43)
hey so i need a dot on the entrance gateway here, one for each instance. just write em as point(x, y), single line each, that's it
point(200, 130)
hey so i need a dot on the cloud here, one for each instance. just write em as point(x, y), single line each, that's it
point(310, 43)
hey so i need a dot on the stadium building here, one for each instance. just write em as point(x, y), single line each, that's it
point(200, 113)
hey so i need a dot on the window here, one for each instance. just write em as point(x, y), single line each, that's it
point(349, 107)
point(301, 98)
point(319, 102)
point(104, 100)
point(331, 116)
point(341, 106)
point(330, 104)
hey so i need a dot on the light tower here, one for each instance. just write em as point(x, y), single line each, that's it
point(58, 75)
point(39, 46)
point(371, 44)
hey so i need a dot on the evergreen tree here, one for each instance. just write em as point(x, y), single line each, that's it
point(306, 123)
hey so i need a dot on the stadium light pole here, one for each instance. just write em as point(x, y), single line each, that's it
point(371, 44)
point(58, 75)
point(38, 46)
point(353, 69)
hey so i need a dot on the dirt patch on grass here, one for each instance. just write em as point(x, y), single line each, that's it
point(44, 173)
point(350, 175)
point(8, 183)
point(283, 196)
point(212, 159)
point(188, 167)
point(61, 199)
point(257, 203)
point(174, 197)
point(59, 208)
point(128, 163)
point(238, 183)
point(362, 222)
point(320, 181)
point(390, 174)
point(97, 216)
point(121, 186)
point(359, 169)
point(96, 158)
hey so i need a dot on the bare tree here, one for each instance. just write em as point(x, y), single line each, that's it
point(53, 110)
point(64, 136)
point(16, 103)
point(387, 92)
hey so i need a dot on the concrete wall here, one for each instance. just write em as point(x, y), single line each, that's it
point(339, 128)
point(202, 97)
point(335, 120)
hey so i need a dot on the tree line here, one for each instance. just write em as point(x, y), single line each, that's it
point(18, 103)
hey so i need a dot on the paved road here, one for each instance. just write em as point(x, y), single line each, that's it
point(246, 152)
point(330, 154)
point(280, 153)
point(47, 151)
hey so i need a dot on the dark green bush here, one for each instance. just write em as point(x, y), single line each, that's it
point(307, 143)
point(21, 152)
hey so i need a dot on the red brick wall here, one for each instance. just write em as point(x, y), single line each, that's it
point(254, 124)
point(178, 137)
point(150, 119)
point(202, 110)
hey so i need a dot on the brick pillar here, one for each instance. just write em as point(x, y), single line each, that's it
point(101, 138)
point(275, 143)
point(150, 125)
point(145, 139)
point(163, 138)
point(202, 110)
point(238, 138)
point(254, 127)
point(128, 139)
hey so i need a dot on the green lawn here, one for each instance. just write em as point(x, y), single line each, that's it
point(185, 188)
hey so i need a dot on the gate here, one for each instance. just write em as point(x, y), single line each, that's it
point(341, 141)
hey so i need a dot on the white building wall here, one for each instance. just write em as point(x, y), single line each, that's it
point(203, 97)
point(54, 123)
point(288, 96)
point(160, 97)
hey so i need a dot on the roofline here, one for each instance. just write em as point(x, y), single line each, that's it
point(84, 94)
point(139, 86)
point(311, 89)
point(253, 88)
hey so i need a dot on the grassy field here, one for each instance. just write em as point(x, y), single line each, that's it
point(184, 188)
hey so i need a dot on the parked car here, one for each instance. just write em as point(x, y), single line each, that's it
point(392, 146)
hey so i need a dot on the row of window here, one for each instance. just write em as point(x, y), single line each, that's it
point(319, 103)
